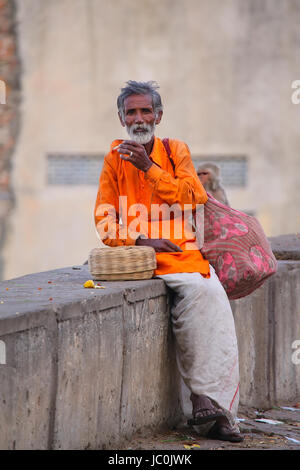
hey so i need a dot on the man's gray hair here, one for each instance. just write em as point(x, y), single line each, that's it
point(140, 88)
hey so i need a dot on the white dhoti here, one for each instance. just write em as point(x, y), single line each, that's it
point(205, 337)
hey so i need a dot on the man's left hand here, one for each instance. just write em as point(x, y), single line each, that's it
point(136, 154)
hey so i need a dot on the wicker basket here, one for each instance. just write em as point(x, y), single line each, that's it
point(122, 263)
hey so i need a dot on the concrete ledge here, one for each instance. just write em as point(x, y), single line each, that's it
point(87, 368)
point(286, 246)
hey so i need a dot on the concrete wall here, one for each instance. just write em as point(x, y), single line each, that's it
point(225, 70)
point(268, 323)
point(86, 368)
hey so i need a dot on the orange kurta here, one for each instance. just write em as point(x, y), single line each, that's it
point(130, 202)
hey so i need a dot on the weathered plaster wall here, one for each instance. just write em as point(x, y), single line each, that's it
point(225, 70)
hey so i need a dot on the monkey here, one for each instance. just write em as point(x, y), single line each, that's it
point(209, 175)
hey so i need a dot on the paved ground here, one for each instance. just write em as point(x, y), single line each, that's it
point(278, 428)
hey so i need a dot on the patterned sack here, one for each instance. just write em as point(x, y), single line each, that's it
point(235, 245)
point(237, 248)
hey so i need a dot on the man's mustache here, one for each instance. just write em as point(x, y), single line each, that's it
point(138, 127)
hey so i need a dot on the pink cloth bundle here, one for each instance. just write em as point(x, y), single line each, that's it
point(237, 248)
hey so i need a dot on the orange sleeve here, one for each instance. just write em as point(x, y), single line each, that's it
point(185, 187)
point(106, 212)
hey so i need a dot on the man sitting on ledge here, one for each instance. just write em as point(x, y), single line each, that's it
point(141, 175)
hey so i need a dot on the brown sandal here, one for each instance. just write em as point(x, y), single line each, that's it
point(200, 407)
point(212, 416)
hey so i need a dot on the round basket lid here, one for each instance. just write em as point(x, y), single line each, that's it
point(122, 259)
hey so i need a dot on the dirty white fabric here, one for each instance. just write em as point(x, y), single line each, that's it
point(206, 344)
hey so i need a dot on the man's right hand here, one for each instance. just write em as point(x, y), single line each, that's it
point(159, 244)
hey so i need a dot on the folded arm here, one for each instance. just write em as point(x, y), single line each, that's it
point(182, 188)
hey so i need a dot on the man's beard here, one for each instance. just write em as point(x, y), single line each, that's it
point(144, 135)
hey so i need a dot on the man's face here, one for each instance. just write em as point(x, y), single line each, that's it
point(139, 118)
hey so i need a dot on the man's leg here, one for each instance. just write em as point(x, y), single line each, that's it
point(206, 345)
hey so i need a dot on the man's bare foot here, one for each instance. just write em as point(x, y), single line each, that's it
point(224, 432)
